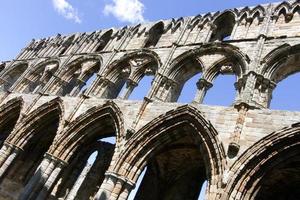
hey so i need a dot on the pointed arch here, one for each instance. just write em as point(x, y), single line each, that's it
point(224, 24)
point(136, 54)
point(275, 61)
point(76, 73)
point(11, 74)
point(244, 13)
point(228, 50)
point(189, 63)
point(164, 130)
point(38, 75)
point(9, 115)
point(296, 8)
point(283, 7)
point(195, 21)
point(25, 130)
point(74, 65)
point(249, 170)
point(107, 116)
point(260, 10)
point(103, 40)
point(130, 68)
point(154, 34)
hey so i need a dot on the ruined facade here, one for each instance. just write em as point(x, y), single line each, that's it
point(61, 96)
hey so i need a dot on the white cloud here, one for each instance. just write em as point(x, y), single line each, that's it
point(65, 9)
point(126, 10)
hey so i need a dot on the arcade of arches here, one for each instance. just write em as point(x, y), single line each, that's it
point(131, 113)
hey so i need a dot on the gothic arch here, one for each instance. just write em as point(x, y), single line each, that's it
point(154, 34)
point(73, 66)
point(139, 53)
point(38, 75)
point(189, 63)
point(24, 131)
point(11, 74)
point(277, 64)
point(244, 14)
point(228, 50)
point(260, 10)
point(130, 68)
point(223, 25)
point(284, 6)
point(195, 21)
point(146, 142)
point(75, 74)
point(76, 132)
point(103, 40)
point(238, 62)
point(9, 115)
point(250, 169)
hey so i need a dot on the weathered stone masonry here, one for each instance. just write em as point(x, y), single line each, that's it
point(52, 119)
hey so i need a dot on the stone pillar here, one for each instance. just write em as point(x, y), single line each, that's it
point(130, 85)
point(35, 179)
point(127, 187)
point(43, 179)
point(76, 90)
point(202, 85)
point(8, 158)
point(5, 150)
point(114, 188)
point(50, 182)
point(211, 31)
point(72, 194)
point(106, 188)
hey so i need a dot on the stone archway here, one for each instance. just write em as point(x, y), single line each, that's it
point(74, 177)
point(27, 146)
point(269, 169)
point(181, 149)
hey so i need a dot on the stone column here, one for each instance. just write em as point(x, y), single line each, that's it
point(76, 90)
point(43, 178)
point(126, 189)
point(51, 180)
point(8, 158)
point(5, 150)
point(114, 188)
point(72, 194)
point(35, 179)
point(203, 85)
point(212, 29)
point(106, 188)
point(130, 85)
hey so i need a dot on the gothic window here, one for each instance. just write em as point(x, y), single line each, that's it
point(104, 39)
point(11, 76)
point(223, 27)
point(154, 35)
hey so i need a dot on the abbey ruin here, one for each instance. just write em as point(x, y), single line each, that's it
point(53, 117)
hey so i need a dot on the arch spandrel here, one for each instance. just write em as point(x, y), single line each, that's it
point(71, 136)
point(249, 170)
point(143, 144)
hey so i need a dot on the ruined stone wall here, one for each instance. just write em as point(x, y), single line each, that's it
point(61, 96)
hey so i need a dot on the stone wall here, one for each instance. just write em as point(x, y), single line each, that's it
point(63, 95)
